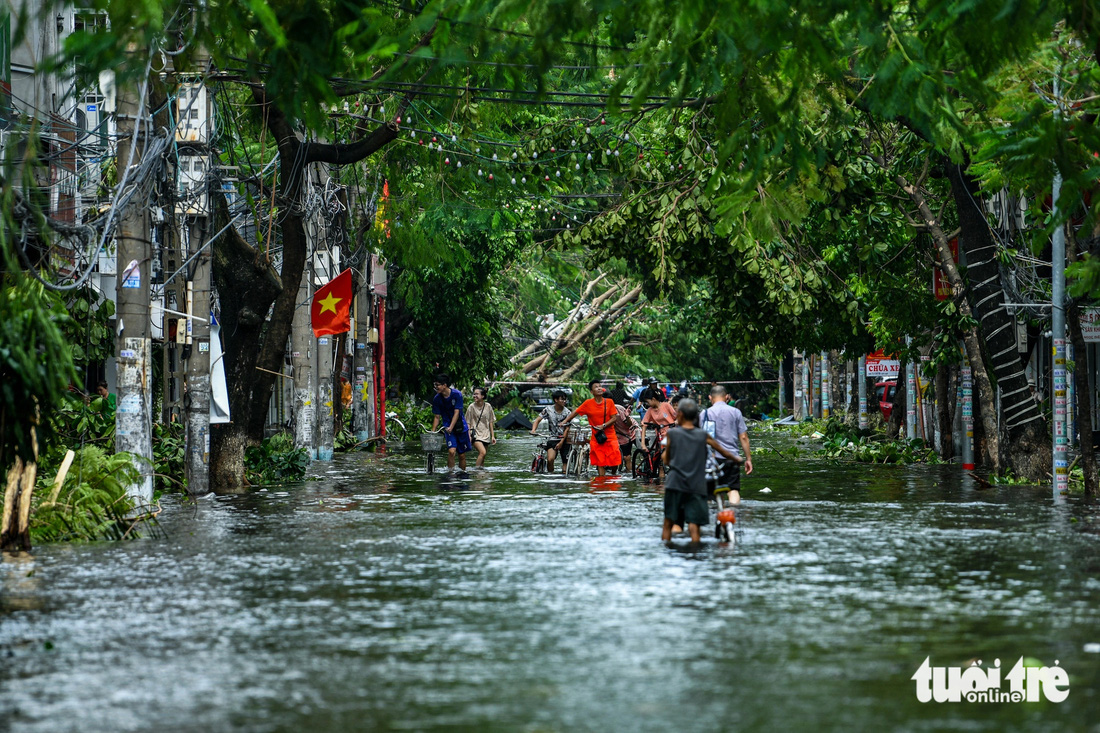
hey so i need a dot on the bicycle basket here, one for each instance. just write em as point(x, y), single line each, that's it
point(579, 435)
point(431, 442)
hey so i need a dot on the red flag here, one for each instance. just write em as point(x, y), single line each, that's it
point(331, 309)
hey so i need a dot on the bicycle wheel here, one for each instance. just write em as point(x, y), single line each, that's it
point(638, 464)
point(585, 467)
point(575, 462)
point(431, 463)
point(535, 463)
point(396, 430)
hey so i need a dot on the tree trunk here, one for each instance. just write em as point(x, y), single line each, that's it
point(15, 526)
point(254, 350)
point(247, 284)
point(971, 339)
point(897, 412)
point(1028, 451)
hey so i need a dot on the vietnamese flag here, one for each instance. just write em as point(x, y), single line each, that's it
point(331, 309)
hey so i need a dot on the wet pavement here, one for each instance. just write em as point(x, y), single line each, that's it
point(377, 597)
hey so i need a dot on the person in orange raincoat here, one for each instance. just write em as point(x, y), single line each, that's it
point(601, 413)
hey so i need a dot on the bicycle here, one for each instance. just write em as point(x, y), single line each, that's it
point(538, 461)
point(432, 443)
point(578, 464)
point(395, 429)
point(645, 463)
point(724, 528)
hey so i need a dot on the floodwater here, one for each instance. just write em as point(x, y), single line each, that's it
point(379, 598)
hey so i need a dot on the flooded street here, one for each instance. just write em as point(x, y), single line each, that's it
point(380, 598)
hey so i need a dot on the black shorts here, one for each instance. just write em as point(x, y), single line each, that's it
point(729, 477)
point(681, 507)
point(552, 444)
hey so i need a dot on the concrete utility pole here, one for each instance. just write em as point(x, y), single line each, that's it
point(322, 365)
point(133, 417)
point(910, 398)
point(195, 129)
point(802, 388)
point(967, 387)
point(362, 362)
point(862, 385)
point(198, 365)
point(1060, 468)
point(826, 385)
point(301, 359)
point(782, 391)
point(815, 403)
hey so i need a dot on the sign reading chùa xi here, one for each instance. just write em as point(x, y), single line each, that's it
point(882, 366)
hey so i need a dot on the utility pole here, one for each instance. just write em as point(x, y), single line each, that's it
point(1060, 470)
point(194, 132)
point(862, 385)
point(826, 385)
point(967, 388)
point(324, 270)
point(910, 397)
point(782, 390)
point(133, 417)
point(301, 360)
point(362, 366)
point(800, 386)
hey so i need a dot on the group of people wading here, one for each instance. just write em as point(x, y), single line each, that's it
point(613, 427)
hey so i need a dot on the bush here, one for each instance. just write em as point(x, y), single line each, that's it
point(275, 460)
point(92, 503)
point(845, 442)
point(169, 472)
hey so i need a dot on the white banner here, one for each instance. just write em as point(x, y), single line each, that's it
point(883, 368)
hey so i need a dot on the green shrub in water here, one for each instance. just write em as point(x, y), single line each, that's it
point(843, 442)
point(168, 454)
point(92, 503)
point(275, 460)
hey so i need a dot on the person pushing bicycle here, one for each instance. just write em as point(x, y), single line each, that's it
point(555, 416)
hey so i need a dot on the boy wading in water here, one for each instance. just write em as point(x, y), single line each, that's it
point(555, 416)
point(447, 405)
point(685, 458)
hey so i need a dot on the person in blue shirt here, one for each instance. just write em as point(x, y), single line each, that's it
point(447, 406)
point(639, 395)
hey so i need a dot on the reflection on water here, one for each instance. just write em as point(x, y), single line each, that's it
point(379, 597)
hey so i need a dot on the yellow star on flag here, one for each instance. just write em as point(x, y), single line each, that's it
point(328, 303)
